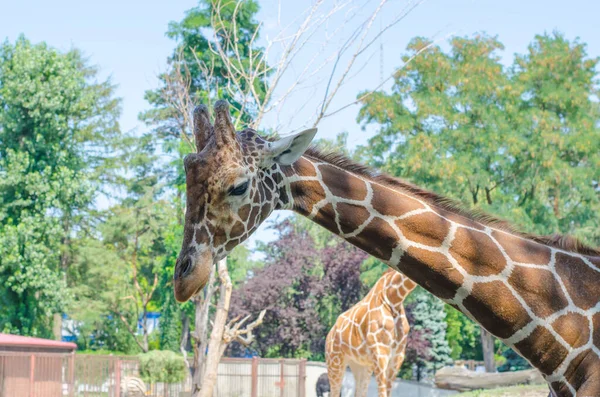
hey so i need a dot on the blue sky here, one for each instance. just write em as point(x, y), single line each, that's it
point(126, 39)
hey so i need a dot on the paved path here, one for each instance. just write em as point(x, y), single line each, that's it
point(401, 388)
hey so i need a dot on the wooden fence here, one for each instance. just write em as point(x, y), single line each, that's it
point(74, 375)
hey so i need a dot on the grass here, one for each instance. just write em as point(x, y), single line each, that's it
point(514, 391)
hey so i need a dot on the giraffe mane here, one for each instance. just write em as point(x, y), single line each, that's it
point(563, 242)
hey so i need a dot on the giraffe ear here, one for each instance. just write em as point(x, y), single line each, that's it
point(289, 149)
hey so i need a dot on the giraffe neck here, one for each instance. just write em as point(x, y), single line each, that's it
point(393, 288)
point(521, 291)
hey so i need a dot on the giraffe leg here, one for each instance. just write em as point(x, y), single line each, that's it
point(393, 369)
point(336, 366)
point(381, 375)
point(362, 377)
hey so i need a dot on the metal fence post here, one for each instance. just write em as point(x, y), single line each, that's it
point(254, 377)
point(117, 377)
point(302, 378)
point(31, 376)
point(281, 378)
point(72, 374)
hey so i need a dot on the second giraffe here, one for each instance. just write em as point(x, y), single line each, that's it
point(371, 337)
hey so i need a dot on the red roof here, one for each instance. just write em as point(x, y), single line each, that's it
point(25, 341)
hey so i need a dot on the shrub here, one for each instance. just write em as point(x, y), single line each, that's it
point(162, 366)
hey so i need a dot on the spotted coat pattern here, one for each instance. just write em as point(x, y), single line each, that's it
point(371, 337)
point(542, 299)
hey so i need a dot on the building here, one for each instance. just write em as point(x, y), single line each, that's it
point(34, 366)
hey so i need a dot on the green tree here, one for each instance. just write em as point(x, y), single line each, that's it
point(196, 65)
point(428, 315)
point(196, 74)
point(463, 336)
point(55, 121)
point(521, 142)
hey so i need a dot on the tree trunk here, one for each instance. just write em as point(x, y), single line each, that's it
point(200, 334)
point(487, 344)
point(458, 378)
point(57, 326)
point(216, 336)
point(185, 333)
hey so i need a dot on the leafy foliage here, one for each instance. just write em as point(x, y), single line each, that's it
point(428, 316)
point(520, 141)
point(162, 366)
point(55, 122)
point(304, 289)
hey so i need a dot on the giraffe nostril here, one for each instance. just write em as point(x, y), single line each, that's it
point(183, 268)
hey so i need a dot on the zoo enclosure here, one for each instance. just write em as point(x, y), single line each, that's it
point(35, 374)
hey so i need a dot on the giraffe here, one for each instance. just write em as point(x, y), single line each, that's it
point(371, 337)
point(538, 294)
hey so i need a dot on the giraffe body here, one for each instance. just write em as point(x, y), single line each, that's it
point(371, 337)
point(538, 294)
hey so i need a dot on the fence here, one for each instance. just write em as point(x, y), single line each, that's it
point(64, 374)
point(261, 377)
point(471, 365)
point(36, 374)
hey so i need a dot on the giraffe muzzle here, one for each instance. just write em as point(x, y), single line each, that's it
point(191, 274)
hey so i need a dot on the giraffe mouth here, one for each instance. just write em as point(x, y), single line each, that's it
point(191, 276)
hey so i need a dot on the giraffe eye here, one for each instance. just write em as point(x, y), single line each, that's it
point(239, 189)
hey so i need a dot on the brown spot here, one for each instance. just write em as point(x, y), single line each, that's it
point(391, 203)
point(351, 216)
point(495, 307)
point(219, 239)
point(561, 389)
point(201, 237)
point(521, 250)
point(283, 199)
point(237, 229)
point(304, 167)
point(477, 253)
point(542, 350)
point(261, 192)
point(427, 228)
point(583, 373)
point(252, 218)
point(326, 218)
point(265, 212)
point(596, 324)
point(269, 183)
point(268, 195)
point(244, 211)
point(437, 275)
point(377, 239)
point(540, 290)
point(232, 244)
point(580, 280)
point(211, 228)
point(343, 184)
point(574, 329)
point(307, 193)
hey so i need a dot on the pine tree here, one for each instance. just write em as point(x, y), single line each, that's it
point(427, 314)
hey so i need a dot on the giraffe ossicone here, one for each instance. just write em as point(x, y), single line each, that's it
point(540, 295)
point(371, 337)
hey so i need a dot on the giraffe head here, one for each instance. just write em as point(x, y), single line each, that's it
point(233, 182)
